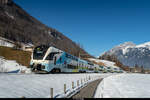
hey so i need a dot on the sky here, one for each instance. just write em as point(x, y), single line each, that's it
point(98, 25)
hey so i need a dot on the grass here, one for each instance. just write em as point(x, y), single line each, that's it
point(21, 57)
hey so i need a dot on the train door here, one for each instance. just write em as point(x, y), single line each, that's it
point(55, 58)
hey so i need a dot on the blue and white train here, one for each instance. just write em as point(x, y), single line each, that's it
point(45, 59)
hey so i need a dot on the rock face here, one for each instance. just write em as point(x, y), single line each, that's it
point(131, 54)
point(17, 25)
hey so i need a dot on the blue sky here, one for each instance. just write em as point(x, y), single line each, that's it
point(98, 25)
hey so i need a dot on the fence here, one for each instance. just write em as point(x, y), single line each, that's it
point(74, 89)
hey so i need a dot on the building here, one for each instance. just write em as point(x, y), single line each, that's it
point(26, 47)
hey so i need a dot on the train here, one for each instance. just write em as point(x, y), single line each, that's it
point(46, 59)
point(49, 59)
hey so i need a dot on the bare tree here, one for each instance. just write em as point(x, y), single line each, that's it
point(142, 69)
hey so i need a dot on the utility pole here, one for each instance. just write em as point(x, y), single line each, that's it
point(79, 54)
point(80, 57)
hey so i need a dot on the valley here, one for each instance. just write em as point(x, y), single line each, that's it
point(50, 49)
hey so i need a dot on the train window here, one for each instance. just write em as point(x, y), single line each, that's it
point(55, 60)
point(76, 59)
point(50, 56)
point(60, 59)
point(39, 52)
point(66, 55)
point(71, 57)
point(71, 66)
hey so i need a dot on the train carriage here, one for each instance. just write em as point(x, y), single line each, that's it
point(47, 59)
point(96, 68)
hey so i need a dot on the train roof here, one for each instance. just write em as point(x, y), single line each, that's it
point(48, 46)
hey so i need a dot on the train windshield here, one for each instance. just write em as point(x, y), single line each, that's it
point(39, 52)
point(115, 68)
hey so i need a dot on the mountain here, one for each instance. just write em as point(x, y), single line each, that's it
point(17, 25)
point(130, 54)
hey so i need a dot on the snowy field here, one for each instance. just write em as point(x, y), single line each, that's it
point(38, 85)
point(124, 86)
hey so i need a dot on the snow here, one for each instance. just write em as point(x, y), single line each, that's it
point(124, 47)
point(38, 85)
point(125, 50)
point(5, 43)
point(147, 44)
point(28, 45)
point(126, 44)
point(12, 17)
point(124, 86)
point(11, 65)
point(106, 62)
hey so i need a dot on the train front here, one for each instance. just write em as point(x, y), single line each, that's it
point(37, 63)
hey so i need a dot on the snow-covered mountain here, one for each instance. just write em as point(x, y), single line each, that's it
point(131, 54)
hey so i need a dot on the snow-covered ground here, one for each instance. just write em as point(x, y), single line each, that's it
point(124, 86)
point(106, 62)
point(38, 85)
point(5, 43)
point(11, 65)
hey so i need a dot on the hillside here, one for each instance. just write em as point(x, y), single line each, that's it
point(21, 57)
point(105, 63)
point(17, 25)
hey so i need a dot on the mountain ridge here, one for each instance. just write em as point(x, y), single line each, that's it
point(130, 54)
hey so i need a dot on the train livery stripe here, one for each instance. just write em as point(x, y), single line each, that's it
point(75, 70)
